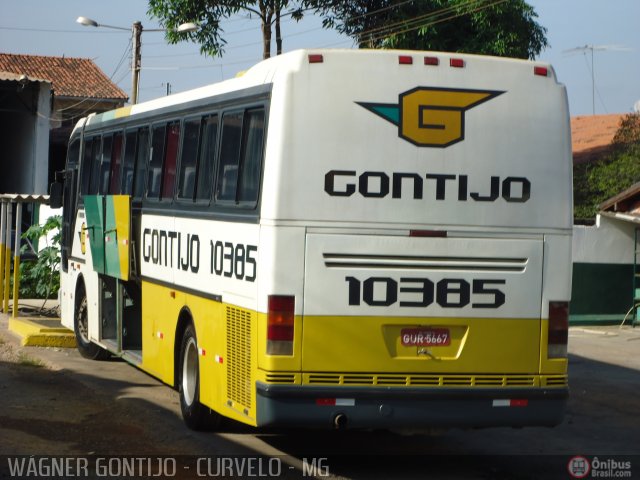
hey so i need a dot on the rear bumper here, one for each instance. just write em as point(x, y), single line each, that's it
point(414, 408)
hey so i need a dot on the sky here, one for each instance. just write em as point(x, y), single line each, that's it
point(48, 27)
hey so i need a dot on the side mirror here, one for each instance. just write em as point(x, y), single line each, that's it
point(55, 195)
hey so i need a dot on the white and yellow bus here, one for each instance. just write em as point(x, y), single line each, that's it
point(337, 238)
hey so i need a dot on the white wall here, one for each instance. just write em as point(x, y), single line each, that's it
point(609, 241)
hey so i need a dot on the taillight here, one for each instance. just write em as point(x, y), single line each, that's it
point(558, 329)
point(280, 316)
point(541, 71)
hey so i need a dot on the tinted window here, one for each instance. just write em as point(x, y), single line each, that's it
point(142, 157)
point(155, 162)
point(207, 157)
point(95, 167)
point(86, 166)
point(170, 159)
point(189, 159)
point(105, 164)
point(116, 161)
point(229, 157)
point(252, 147)
point(128, 163)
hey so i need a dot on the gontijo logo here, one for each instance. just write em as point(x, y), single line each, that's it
point(429, 116)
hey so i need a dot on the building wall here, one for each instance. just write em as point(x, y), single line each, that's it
point(602, 289)
point(24, 135)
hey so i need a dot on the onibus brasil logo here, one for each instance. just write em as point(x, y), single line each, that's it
point(429, 116)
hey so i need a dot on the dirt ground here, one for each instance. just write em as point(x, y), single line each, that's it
point(46, 411)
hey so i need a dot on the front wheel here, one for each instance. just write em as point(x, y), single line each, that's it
point(196, 416)
point(81, 329)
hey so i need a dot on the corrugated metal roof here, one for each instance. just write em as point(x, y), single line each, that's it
point(24, 198)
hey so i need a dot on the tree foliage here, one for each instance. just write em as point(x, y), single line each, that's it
point(596, 182)
point(210, 13)
point(489, 27)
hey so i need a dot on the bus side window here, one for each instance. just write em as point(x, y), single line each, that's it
point(94, 181)
point(189, 159)
point(170, 159)
point(155, 161)
point(116, 162)
point(142, 157)
point(85, 166)
point(105, 164)
point(227, 178)
point(207, 157)
point(128, 162)
point(252, 148)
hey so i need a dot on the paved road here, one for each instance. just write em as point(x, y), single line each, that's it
point(78, 407)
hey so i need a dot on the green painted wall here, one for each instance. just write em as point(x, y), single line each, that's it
point(601, 293)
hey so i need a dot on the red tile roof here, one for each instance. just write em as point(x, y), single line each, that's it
point(591, 135)
point(70, 77)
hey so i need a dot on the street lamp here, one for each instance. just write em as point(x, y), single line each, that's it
point(137, 33)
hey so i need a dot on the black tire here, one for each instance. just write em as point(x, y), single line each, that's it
point(81, 328)
point(195, 415)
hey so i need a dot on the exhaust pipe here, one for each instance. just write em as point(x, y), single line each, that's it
point(340, 421)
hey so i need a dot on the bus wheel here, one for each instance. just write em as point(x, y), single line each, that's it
point(81, 328)
point(196, 416)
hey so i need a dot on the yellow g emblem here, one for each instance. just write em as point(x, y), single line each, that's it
point(431, 117)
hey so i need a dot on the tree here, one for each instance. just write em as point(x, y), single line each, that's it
point(596, 182)
point(490, 27)
point(209, 13)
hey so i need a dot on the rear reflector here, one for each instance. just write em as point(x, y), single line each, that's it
point(280, 321)
point(513, 402)
point(428, 233)
point(456, 62)
point(340, 402)
point(431, 61)
point(541, 71)
point(558, 329)
point(316, 58)
point(405, 60)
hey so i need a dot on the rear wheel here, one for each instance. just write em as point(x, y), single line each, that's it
point(81, 329)
point(196, 416)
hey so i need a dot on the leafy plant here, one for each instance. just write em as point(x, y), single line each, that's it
point(596, 182)
point(40, 278)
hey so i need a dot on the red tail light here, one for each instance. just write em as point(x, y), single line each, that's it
point(541, 71)
point(280, 321)
point(558, 329)
point(405, 60)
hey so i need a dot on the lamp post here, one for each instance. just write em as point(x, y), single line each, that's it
point(136, 41)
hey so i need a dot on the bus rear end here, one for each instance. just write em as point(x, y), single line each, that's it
point(417, 206)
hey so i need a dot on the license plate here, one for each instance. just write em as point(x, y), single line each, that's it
point(425, 337)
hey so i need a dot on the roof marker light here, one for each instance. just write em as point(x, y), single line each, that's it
point(541, 71)
point(316, 58)
point(456, 62)
point(405, 60)
point(431, 61)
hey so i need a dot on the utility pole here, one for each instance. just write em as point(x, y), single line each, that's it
point(135, 61)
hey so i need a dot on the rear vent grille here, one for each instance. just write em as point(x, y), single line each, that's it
point(239, 356)
point(280, 378)
point(390, 380)
point(405, 262)
point(556, 381)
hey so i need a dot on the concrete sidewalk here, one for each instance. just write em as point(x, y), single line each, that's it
point(37, 325)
